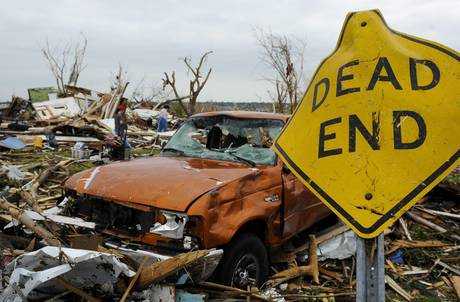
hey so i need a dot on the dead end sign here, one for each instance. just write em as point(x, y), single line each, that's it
point(379, 124)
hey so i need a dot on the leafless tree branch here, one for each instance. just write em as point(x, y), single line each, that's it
point(196, 83)
point(67, 63)
point(285, 56)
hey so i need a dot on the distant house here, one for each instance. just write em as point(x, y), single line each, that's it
point(4, 105)
point(42, 94)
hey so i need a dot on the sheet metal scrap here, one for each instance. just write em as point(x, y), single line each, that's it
point(33, 274)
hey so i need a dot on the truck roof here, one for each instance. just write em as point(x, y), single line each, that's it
point(246, 115)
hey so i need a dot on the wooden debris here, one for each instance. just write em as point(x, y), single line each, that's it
point(426, 222)
point(333, 233)
point(160, 270)
point(456, 284)
point(44, 176)
point(440, 213)
point(451, 249)
point(335, 275)
point(134, 279)
point(397, 244)
point(323, 296)
point(221, 287)
point(403, 224)
point(397, 288)
point(75, 290)
point(45, 169)
point(430, 224)
point(414, 272)
point(58, 297)
point(446, 266)
point(437, 285)
point(29, 223)
point(310, 270)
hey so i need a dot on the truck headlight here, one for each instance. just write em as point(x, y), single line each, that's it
point(170, 225)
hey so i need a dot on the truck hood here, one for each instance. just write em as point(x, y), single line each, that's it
point(162, 182)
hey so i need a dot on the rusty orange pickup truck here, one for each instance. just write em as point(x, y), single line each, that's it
point(216, 184)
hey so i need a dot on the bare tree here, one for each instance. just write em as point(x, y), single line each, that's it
point(119, 80)
point(285, 56)
point(196, 83)
point(149, 93)
point(279, 96)
point(66, 63)
point(170, 80)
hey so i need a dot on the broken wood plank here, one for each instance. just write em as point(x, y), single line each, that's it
point(298, 271)
point(415, 272)
point(391, 265)
point(29, 223)
point(437, 285)
point(333, 233)
point(392, 283)
point(403, 224)
point(448, 267)
point(440, 213)
point(233, 289)
point(134, 279)
point(162, 269)
point(44, 199)
point(451, 249)
point(322, 238)
point(426, 222)
point(456, 283)
point(397, 244)
point(430, 224)
point(332, 274)
point(45, 174)
point(76, 290)
point(323, 296)
point(58, 297)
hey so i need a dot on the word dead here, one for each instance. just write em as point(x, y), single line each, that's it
point(383, 72)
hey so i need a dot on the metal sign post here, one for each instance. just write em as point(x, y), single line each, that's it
point(370, 270)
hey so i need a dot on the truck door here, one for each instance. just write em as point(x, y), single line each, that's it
point(301, 207)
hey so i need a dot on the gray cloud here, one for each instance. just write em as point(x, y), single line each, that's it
point(149, 37)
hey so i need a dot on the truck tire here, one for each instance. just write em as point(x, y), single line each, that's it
point(244, 263)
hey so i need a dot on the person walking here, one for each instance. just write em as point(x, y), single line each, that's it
point(163, 119)
point(120, 121)
point(121, 129)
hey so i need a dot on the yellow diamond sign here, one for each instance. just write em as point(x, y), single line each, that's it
point(379, 124)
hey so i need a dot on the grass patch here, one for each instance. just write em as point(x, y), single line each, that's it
point(144, 152)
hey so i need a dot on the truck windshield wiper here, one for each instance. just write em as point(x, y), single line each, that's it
point(174, 150)
point(242, 159)
point(237, 157)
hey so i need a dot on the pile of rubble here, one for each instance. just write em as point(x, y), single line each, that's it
point(81, 116)
point(421, 253)
point(48, 254)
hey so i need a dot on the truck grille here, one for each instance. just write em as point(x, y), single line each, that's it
point(113, 216)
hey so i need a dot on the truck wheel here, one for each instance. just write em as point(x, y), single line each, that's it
point(245, 262)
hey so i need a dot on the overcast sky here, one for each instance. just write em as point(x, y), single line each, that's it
point(148, 37)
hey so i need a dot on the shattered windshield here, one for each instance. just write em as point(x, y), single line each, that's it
point(226, 138)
